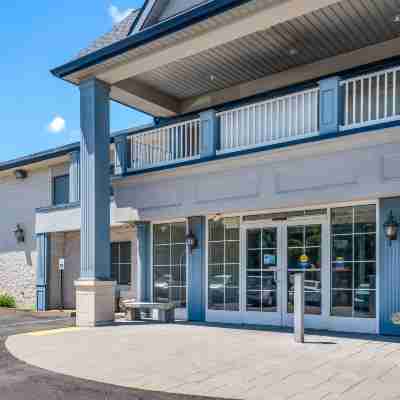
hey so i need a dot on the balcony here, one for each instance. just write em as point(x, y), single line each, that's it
point(361, 101)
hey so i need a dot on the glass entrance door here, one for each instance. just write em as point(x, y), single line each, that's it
point(263, 275)
point(271, 257)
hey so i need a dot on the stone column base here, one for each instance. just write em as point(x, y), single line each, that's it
point(95, 302)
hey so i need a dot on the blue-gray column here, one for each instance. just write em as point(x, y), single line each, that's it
point(42, 271)
point(95, 181)
point(329, 105)
point(196, 275)
point(389, 271)
point(74, 176)
point(121, 158)
point(209, 133)
point(143, 233)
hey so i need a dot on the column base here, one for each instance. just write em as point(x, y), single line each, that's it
point(95, 302)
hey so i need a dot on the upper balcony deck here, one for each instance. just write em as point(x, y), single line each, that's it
point(361, 101)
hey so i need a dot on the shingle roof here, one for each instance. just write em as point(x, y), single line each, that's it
point(120, 31)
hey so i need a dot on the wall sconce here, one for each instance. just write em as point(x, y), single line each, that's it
point(19, 234)
point(20, 174)
point(191, 241)
point(391, 227)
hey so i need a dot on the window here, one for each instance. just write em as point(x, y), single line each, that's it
point(169, 263)
point(304, 246)
point(61, 190)
point(121, 263)
point(223, 264)
point(353, 265)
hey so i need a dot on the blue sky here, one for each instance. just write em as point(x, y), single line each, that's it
point(36, 36)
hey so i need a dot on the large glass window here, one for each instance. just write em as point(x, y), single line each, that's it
point(304, 251)
point(353, 265)
point(223, 264)
point(261, 269)
point(121, 262)
point(169, 263)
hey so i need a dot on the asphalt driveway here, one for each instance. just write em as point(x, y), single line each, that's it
point(20, 381)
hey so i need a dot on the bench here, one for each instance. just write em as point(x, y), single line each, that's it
point(162, 312)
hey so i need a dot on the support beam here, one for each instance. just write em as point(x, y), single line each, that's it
point(74, 177)
point(95, 290)
point(196, 271)
point(143, 235)
point(42, 271)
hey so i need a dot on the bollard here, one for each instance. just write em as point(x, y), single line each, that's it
point(299, 307)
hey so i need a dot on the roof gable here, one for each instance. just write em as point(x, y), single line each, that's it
point(120, 31)
point(155, 11)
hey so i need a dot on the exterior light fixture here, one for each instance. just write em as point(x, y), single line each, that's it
point(391, 227)
point(217, 217)
point(19, 234)
point(20, 174)
point(293, 52)
point(396, 19)
point(191, 241)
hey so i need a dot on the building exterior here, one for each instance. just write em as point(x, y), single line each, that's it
point(276, 145)
point(37, 195)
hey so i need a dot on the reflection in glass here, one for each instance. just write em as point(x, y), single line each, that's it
point(223, 264)
point(353, 261)
point(305, 240)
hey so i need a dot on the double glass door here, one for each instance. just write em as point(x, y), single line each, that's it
point(272, 254)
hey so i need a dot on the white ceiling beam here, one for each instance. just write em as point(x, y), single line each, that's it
point(262, 20)
point(144, 98)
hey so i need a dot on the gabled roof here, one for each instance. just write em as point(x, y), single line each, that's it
point(156, 11)
point(120, 31)
point(121, 44)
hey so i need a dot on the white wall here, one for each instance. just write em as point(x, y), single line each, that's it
point(18, 200)
point(357, 167)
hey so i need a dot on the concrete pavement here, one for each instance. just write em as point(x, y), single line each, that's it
point(20, 381)
point(220, 361)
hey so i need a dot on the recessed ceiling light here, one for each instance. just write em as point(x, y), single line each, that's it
point(396, 18)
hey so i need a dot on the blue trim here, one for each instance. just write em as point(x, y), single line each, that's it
point(313, 139)
point(150, 34)
point(46, 210)
point(38, 157)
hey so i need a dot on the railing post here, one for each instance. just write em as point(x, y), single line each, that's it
point(209, 133)
point(329, 105)
point(121, 153)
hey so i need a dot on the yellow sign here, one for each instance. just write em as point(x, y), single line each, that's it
point(304, 258)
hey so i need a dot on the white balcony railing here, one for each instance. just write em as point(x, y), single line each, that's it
point(372, 98)
point(178, 142)
point(281, 119)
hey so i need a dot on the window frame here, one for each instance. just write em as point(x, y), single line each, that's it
point(119, 244)
point(354, 290)
point(53, 185)
point(185, 264)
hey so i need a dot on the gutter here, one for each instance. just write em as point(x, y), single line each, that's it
point(150, 34)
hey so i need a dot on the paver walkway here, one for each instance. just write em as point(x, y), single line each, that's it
point(220, 361)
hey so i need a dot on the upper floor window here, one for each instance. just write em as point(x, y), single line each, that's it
point(61, 190)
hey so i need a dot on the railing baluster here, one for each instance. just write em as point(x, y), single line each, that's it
point(347, 103)
point(354, 91)
point(377, 98)
point(394, 93)
point(369, 99)
point(386, 96)
point(362, 101)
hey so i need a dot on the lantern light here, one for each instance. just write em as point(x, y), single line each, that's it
point(391, 227)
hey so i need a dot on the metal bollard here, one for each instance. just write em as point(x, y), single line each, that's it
point(299, 307)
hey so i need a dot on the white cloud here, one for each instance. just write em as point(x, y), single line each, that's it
point(57, 125)
point(118, 15)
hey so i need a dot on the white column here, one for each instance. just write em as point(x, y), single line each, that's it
point(299, 307)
